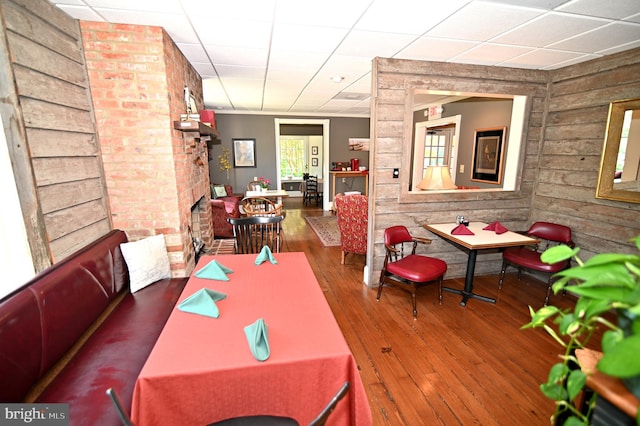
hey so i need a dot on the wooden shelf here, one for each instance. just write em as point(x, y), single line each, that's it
point(206, 133)
point(195, 126)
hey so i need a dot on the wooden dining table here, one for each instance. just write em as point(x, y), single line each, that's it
point(202, 370)
point(480, 240)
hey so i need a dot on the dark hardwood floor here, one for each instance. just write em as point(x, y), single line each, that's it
point(453, 365)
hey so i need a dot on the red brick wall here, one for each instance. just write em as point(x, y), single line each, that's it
point(153, 175)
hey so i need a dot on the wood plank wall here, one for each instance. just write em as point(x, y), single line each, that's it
point(391, 133)
point(564, 133)
point(53, 144)
point(572, 145)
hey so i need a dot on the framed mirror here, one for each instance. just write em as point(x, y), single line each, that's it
point(437, 113)
point(619, 175)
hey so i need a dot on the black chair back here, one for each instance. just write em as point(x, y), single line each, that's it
point(254, 232)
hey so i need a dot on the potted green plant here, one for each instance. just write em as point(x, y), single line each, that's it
point(607, 286)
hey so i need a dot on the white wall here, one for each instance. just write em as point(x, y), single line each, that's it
point(16, 263)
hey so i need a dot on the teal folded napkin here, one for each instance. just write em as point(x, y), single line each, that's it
point(258, 338)
point(214, 271)
point(203, 302)
point(265, 254)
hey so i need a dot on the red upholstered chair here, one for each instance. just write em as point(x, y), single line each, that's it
point(222, 208)
point(352, 212)
point(550, 234)
point(404, 268)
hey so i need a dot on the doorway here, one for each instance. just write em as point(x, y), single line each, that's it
point(302, 146)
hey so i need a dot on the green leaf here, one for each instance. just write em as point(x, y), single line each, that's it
point(557, 373)
point(622, 359)
point(575, 383)
point(539, 317)
point(614, 275)
point(558, 253)
point(553, 391)
point(611, 338)
point(608, 258)
point(574, 421)
point(613, 294)
point(568, 325)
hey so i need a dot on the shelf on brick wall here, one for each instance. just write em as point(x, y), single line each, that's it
point(206, 133)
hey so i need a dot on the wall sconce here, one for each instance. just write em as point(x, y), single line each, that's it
point(437, 177)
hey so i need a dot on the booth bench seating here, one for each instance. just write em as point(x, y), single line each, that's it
point(75, 330)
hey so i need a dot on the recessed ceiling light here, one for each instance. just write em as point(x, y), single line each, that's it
point(337, 79)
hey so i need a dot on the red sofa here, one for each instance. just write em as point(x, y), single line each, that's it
point(79, 320)
point(223, 208)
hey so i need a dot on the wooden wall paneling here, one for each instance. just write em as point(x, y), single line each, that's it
point(18, 151)
point(571, 152)
point(393, 79)
point(57, 128)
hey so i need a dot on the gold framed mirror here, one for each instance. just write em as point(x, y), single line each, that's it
point(619, 176)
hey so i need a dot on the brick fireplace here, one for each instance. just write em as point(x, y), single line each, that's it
point(156, 176)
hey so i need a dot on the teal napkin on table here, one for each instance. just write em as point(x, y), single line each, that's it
point(258, 338)
point(203, 302)
point(214, 271)
point(265, 254)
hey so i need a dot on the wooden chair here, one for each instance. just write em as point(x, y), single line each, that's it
point(312, 190)
point(406, 269)
point(259, 420)
point(522, 258)
point(261, 206)
point(254, 232)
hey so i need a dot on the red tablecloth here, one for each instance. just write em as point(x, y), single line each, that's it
point(201, 369)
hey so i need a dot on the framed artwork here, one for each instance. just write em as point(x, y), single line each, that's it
point(489, 146)
point(314, 162)
point(244, 153)
point(314, 150)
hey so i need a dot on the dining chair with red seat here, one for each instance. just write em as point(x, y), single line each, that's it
point(522, 258)
point(404, 268)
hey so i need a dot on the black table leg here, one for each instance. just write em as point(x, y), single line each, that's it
point(468, 293)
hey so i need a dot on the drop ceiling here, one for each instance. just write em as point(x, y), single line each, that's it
point(280, 56)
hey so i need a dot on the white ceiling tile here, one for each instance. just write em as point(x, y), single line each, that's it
point(236, 33)
point(406, 16)
point(307, 39)
point(216, 11)
point(371, 44)
point(235, 71)
point(435, 49)
point(177, 26)
point(193, 51)
point(332, 13)
point(164, 6)
point(541, 58)
point(481, 21)
point(294, 60)
point(83, 13)
point(548, 29)
point(617, 9)
point(611, 35)
point(288, 49)
point(242, 56)
point(491, 54)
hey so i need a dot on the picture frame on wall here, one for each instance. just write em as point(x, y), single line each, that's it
point(314, 162)
point(489, 147)
point(244, 153)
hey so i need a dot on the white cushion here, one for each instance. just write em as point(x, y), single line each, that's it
point(147, 261)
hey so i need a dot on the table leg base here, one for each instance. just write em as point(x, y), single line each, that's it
point(466, 295)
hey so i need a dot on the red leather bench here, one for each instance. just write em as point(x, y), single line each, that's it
point(75, 330)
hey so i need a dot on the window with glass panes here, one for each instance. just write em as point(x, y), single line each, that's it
point(292, 157)
point(435, 150)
